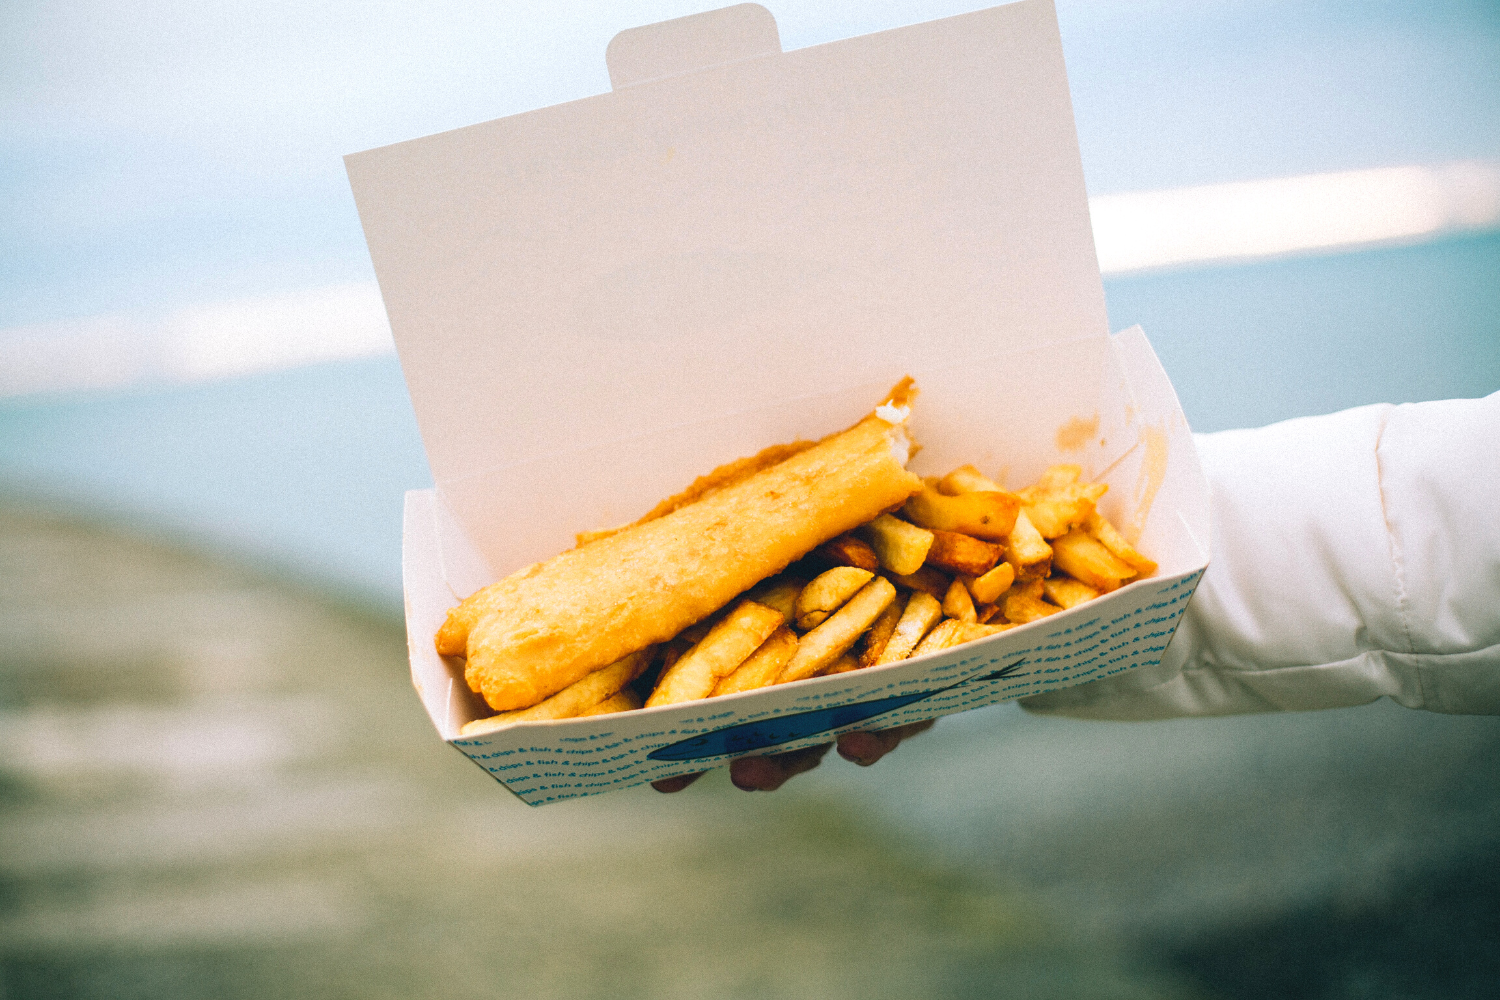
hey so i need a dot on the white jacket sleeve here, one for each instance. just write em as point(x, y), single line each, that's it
point(1355, 556)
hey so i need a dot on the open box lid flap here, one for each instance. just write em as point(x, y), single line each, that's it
point(732, 225)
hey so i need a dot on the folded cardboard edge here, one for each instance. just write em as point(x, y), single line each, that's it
point(542, 763)
point(1168, 470)
point(428, 596)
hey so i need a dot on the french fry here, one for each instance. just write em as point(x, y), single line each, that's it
point(1023, 603)
point(969, 632)
point(988, 515)
point(727, 645)
point(842, 665)
point(830, 640)
point(1055, 478)
point(847, 550)
point(964, 554)
point(624, 700)
point(967, 479)
point(762, 667)
point(1056, 513)
point(987, 589)
point(573, 700)
point(827, 593)
point(987, 613)
point(1098, 526)
point(873, 642)
point(779, 592)
point(694, 634)
point(1021, 609)
point(901, 547)
point(1084, 557)
point(1026, 551)
point(671, 652)
point(922, 612)
point(1031, 588)
point(926, 579)
point(939, 638)
point(1066, 592)
point(958, 604)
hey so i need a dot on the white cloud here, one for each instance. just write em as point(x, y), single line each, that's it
point(254, 335)
point(200, 343)
point(1145, 230)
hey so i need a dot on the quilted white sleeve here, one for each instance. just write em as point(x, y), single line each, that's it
point(1355, 556)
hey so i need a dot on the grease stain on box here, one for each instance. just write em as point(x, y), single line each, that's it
point(1153, 473)
point(1077, 432)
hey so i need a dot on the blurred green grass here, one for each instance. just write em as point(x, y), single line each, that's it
point(216, 782)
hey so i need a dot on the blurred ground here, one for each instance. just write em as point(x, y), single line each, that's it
point(216, 784)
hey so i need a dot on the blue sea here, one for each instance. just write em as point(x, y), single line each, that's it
point(305, 469)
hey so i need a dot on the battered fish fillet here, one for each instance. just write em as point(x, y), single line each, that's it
point(534, 633)
point(721, 478)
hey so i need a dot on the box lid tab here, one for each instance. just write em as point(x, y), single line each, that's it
point(684, 44)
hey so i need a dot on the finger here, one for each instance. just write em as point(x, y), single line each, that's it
point(676, 784)
point(766, 774)
point(865, 749)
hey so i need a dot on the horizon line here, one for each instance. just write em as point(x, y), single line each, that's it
point(1135, 233)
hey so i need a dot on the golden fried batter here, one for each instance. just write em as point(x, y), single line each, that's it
point(538, 631)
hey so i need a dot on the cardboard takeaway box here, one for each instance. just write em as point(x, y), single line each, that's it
point(595, 303)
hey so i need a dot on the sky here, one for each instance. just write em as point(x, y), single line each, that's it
point(161, 153)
